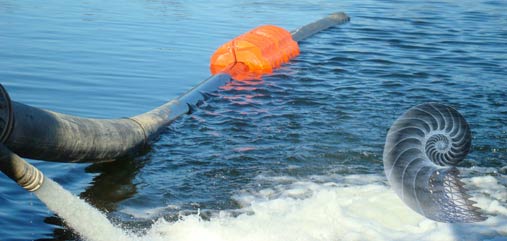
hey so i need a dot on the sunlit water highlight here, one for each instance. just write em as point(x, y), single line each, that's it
point(325, 114)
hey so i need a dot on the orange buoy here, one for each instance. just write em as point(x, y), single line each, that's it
point(255, 53)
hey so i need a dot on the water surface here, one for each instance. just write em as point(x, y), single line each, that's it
point(320, 118)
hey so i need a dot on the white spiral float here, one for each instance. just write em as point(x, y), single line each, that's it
point(422, 150)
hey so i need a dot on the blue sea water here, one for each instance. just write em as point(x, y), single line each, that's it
point(325, 113)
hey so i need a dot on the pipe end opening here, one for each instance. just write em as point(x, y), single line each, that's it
point(6, 115)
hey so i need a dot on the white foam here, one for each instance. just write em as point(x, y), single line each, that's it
point(359, 207)
point(355, 207)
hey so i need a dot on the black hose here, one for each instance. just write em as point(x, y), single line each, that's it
point(46, 135)
point(319, 25)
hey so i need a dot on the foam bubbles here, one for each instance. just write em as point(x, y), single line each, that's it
point(355, 207)
point(358, 207)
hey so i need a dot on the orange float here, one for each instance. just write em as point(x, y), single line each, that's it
point(255, 53)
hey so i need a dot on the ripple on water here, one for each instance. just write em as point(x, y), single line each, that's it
point(323, 115)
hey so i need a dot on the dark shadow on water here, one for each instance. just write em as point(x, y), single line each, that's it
point(113, 184)
point(61, 232)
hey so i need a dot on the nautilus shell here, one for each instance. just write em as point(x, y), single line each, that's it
point(422, 150)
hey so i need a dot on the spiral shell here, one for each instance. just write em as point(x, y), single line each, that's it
point(421, 152)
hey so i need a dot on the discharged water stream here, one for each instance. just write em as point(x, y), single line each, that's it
point(294, 156)
point(87, 221)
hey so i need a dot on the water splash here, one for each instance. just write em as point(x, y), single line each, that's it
point(354, 207)
point(338, 208)
point(88, 222)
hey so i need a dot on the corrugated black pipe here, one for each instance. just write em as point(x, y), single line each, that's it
point(46, 135)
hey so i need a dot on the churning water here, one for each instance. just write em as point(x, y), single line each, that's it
point(344, 208)
point(294, 156)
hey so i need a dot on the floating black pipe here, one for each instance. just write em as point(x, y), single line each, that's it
point(317, 26)
point(46, 135)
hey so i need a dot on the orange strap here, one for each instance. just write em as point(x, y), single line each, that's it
point(255, 53)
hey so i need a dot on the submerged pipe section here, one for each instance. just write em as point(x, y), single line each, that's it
point(46, 135)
